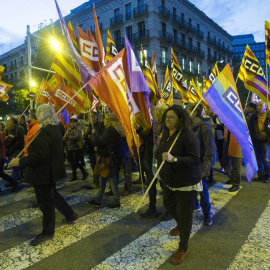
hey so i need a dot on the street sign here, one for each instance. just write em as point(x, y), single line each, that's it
point(31, 95)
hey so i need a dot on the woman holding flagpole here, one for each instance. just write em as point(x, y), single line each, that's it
point(180, 174)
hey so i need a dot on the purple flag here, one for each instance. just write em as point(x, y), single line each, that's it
point(86, 72)
point(134, 77)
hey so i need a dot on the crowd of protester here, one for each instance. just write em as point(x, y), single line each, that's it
point(187, 170)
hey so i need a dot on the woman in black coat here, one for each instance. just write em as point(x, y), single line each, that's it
point(108, 146)
point(44, 165)
point(180, 174)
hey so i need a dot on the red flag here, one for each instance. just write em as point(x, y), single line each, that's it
point(89, 50)
point(98, 40)
point(109, 85)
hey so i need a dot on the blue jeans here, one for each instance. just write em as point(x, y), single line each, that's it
point(262, 151)
point(114, 179)
point(204, 202)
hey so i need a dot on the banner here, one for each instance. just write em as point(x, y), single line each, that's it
point(223, 98)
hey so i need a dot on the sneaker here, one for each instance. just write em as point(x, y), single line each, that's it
point(233, 188)
point(150, 213)
point(126, 192)
point(85, 175)
point(70, 219)
point(40, 239)
point(179, 256)
point(198, 209)
point(207, 221)
point(94, 202)
point(114, 205)
point(221, 170)
point(174, 231)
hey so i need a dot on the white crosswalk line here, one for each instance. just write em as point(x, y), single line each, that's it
point(153, 248)
point(23, 255)
point(255, 253)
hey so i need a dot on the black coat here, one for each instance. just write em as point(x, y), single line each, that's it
point(186, 171)
point(45, 161)
point(15, 141)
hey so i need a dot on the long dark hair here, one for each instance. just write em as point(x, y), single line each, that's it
point(184, 120)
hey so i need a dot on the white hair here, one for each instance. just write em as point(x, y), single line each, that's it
point(45, 114)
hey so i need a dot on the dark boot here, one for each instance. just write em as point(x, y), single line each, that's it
point(74, 177)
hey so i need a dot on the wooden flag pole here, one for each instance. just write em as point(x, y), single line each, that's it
point(146, 192)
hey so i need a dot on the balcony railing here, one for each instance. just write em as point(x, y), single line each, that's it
point(116, 19)
point(141, 35)
point(176, 19)
point(164, 11)
point(177, 41)
point(192, 49)
point(140, 10)
point(192, 28)
point(93, 28)
point(166, 36)
point(211, 41)
point(211, 58)
point(201, 53)
point(199, 34)
point(128, 16)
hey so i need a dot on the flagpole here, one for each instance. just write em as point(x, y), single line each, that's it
point(146, 192)
point(51, 120)
point(247, 99)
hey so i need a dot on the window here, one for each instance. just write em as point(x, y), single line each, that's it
point(184, 39)
point(16, 75)
point(190, 22)
point(208, 34)
point(141, 27)
point(11, 76)
point(199, 46)
point(182, 16)
point(15, 63)
point(22, 60)
point(198, 27)
point(190, 42)
point(175, 35)
point(140, 3)
point(199, 68)
point(116, 12)
point(163, 54)
point(209, 52)
point(183, 61)
point(129, 32)
point(219, 57)
point(5, 66)
point(128, 11)
point(215, 56)
point(219, 41)
point(164, 29)
point(163, 2)
point(174, 10)
point(223, 44)
point(191, 67)
point(11, 65)
point(117, 36)
point(140, 55)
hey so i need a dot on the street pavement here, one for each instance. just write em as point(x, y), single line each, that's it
point(105, 238)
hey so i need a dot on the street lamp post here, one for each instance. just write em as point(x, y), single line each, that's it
point(29, 63)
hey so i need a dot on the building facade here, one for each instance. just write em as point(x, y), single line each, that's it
point(198, 42)
point(258, 48)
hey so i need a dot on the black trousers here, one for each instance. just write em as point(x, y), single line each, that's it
point(48, 199)
point(180, 204)
point(74, 157)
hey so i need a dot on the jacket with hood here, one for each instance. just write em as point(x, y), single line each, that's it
point(203, 130)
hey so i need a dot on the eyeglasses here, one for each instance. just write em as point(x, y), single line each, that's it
point(170, 117)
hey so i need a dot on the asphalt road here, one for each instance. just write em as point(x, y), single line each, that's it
point(104, 238)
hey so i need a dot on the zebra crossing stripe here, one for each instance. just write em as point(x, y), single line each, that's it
point(18, 218)
point(153, 248)
point(255, 253)
point(23, 255)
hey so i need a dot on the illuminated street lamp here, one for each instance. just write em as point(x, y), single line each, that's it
point(55, 44)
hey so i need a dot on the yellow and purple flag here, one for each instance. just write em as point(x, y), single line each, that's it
point(251, 73)
point(267, 42)
point(192, 92)
point(111, 50)
point(73, 37)
point(4, 88)
point(178, 81)
point(223, 98)
point(166, 92)
point(1, 71)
